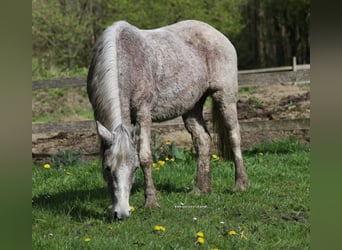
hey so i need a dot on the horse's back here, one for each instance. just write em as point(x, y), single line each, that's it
point(203, 34)
point(220, 55)
point(215, 50)
point(190, 58)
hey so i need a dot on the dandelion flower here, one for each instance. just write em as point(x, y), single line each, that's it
point(172, 159)
point(214, 156)
point(232, 232)
point(131, 208)
point(154, 165)
point(261, 153)
point(68, 173)
point(215, 248)
point(200, 234)
point(47, 166)
point(200, 240)
point(161, 163)
point(159, 228)
point(167, 159)
point(87, 239)
point(168, 143)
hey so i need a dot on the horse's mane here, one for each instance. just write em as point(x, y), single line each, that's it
point(102, 82)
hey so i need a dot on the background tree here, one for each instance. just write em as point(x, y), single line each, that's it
point(264, 32)
point(274, 32)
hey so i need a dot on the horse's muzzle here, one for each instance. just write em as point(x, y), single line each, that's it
point(121, 215)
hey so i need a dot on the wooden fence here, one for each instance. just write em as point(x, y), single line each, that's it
point(246, 126)
point(295, 74)
point(258, 77)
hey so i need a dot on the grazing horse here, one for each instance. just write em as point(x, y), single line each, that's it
point(137, 77)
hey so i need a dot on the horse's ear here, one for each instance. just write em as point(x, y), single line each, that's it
point(104, 133)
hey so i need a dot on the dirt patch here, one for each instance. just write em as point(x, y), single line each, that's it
point(275, 102)
point(262, 103)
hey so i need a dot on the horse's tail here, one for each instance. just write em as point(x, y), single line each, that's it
point(221, 138)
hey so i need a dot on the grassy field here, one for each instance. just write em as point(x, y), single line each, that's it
point(68, 206)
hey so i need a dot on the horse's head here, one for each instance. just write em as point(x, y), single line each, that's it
point(119, 162)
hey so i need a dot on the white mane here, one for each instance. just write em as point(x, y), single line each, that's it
point(106, 74)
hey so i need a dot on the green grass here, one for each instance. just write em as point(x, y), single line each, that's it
point(68, 206)
point(85, 114)
point(42, 71)
point(53, 105)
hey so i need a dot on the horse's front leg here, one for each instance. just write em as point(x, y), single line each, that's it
point(145, 156)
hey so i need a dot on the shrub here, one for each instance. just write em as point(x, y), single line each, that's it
point(66, 158)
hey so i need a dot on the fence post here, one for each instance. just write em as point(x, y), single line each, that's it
point(294, 64)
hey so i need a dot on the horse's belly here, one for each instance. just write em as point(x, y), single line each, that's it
point(174, 101)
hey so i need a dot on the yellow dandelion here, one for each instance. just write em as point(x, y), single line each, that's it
point(167, 159)
point(159, 228)
point(215, 248)
point(47, 166)
point(200, 240)
point(261, 153)
point(214, 156)
point(87, 239)
point(232, 232)
point(161, 163)
point(172, 159)
point(168, 143)
point(68, 173)
point(200, 234)
point(131, 208)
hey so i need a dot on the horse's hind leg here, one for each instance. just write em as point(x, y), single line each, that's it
point(228, 111)
point(195, 124)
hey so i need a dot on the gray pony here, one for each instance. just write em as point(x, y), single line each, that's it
point(137, 77)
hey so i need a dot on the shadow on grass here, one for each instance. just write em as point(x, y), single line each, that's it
point(79, 204)
point(93, 203)
point(287, 146)
point(166, 187)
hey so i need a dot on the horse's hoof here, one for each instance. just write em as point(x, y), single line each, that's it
point(151, 204)
point(197, 191)
point(241, 186)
